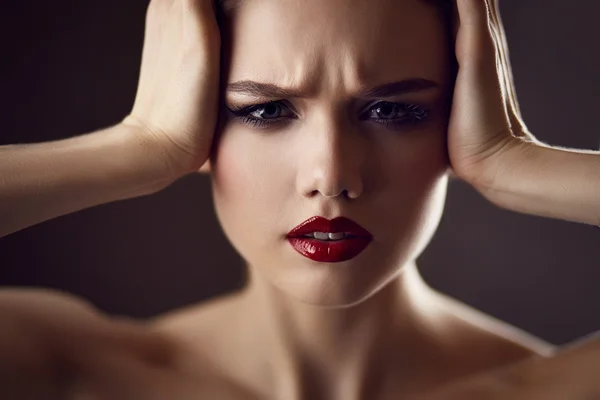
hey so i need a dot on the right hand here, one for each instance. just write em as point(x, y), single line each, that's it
point(176, 105)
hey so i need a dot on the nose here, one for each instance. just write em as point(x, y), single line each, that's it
point(332, 161)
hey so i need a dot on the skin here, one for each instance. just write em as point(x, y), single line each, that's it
point(273, 179)
point(365, 328)
point(326, 330)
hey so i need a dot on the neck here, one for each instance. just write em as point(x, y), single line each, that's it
point(320, 352)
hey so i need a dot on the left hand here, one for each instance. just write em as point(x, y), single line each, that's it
point(574, 373)
point(485, 121)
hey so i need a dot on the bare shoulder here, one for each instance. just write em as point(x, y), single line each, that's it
point(51, 339)
point(206, 335)
point(35, 301)
point(45, 316)
point(495, 339)
point(27, 353)
point(55, 317)
point(199, 314)
point(210, 331)
point(208, 326)
point(65, 348)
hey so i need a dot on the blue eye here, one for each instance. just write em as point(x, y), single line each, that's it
point(396, 115)
point(260, 115)
point(389, 114)
point(386, 110)
point(267, 111)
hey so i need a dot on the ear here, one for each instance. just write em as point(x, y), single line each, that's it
point(205, 168)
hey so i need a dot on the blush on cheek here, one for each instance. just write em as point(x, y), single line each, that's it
point(230, 190)
point(229, 176)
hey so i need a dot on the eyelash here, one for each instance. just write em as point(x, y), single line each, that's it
point(415, 115)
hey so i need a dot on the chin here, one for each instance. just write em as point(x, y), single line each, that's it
point(397, 243)
point(334, 285)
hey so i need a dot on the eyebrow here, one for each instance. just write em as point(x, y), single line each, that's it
point(386, 90)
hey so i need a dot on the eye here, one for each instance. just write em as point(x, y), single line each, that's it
point(267, 111)
point(385, 110)
point(393, 115)
point(396, 115)
point(262, 115)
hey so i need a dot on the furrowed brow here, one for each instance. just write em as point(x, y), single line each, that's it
point(397, 88)
point(391, 89)
point(258, 89)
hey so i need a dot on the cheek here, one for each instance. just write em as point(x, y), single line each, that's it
point(238, 171)
point(415, 193)
point(420, 169)
point(247, 190)
point(233, 183)
point(417, 158)
point(229, 177)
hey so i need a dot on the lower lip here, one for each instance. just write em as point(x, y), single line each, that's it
point(332, 251)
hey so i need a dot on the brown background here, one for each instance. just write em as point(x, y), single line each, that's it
point(68, 67)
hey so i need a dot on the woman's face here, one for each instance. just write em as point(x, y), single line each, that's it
point(329, 144)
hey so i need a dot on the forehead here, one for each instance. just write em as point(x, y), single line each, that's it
point(316, 43)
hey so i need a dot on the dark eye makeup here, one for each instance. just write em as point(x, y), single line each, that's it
point(392, 115)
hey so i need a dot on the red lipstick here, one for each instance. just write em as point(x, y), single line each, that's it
point(331, 249)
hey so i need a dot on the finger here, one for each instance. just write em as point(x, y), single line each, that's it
point(502, 45)
point(473, 36)
point(497, 29)
point(477, 57)
point(515, 116)
point(200, 16)
point(504, 70)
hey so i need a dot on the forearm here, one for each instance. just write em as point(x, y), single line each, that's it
point(537, 179)
point(45, 180)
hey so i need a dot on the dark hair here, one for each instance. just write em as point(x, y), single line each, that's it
point(443, 6)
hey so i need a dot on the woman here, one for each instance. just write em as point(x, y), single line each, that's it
point(341, 123)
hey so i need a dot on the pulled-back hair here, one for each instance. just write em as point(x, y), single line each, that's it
point(443, 6)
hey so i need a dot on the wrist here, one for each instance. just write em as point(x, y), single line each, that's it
point(139, 161)
point(496, 172)
point(538, 179)
point(176, 162)
point(41, 181)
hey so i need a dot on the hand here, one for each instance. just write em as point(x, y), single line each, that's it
point(485, 120)
point(176, 103)
point(571, 374)
point(488, 143)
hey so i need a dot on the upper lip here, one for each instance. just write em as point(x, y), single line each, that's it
point(320, 224)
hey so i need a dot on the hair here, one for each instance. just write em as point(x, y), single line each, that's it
point(443, 6)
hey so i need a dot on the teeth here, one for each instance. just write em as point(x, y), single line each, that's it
point(336, 236)
point(327, 236)
point(321, 235)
